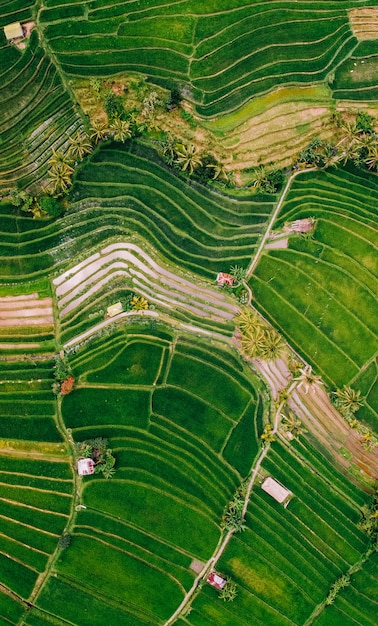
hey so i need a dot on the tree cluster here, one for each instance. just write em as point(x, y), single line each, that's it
point(257, 339)
point(97, 450)
point(232, 518)
point(63, 379)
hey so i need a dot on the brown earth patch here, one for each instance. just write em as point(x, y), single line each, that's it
point(364, 22)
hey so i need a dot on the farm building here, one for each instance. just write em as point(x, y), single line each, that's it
point(13, 31)
point(215, 580)
point(277, 491)
point(85, 467)
point(224, 279)
point(114, 309)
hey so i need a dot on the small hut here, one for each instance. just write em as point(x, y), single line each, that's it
point(215, 580)
point(224, 279)
point(85, 467)
point(13, 31)
point(114, 309)
point(277, 491)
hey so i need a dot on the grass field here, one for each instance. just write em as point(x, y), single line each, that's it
point(321, 292)
point(177, 438)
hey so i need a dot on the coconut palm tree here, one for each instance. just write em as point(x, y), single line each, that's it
point(169, 149)
point(268, 435)
point(59, 178)
point(348, 400)
point(260, 178)
point(99, 132)
point(229, 591)
point(61, 158)
point(308, 379)
point(120, 130)
point(372, 156)
point(79, 146)
point(219, 171)
point(188, 157)
point(139, 303)
point(252, 340)
point(247, 319)
point(270, 346)
point(292, 424)
point(238, 273)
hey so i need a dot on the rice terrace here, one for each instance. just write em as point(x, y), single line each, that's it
point(188, 312)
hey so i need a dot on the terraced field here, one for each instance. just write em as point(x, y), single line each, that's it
point(181, 418)
point(321, 292)
point(225, 55)
point(287, 559)
point(121, 191)
point(37, 112)
point(183, 410)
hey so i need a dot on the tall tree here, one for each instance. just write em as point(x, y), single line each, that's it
point(79, 146)
point(120, 130)
point(188, 157)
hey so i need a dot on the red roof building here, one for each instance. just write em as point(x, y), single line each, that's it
point(224, 279)
point(215, 580)
point(85, 467)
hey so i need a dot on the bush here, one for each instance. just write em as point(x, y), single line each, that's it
point(64, 541)
point(51, 206)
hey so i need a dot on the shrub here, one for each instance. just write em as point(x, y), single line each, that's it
point(64, 541)
point(51, 206)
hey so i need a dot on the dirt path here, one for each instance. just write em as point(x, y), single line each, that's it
point(276, 211)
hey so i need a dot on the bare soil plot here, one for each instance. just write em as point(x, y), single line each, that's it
point(364, 22)
point(28, 310)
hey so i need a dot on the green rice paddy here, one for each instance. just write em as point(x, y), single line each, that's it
point(182, 414)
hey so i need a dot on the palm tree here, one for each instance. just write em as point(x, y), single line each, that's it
point(80, 146)
point(271, 345)
point(238, 273)
point(188, 157)
point(59, 158)
point(247, 319)
point(99, 132)
point(292, 424)
point(372, 157)
point(120, 130)
point(260, 178)
point(308, 379)
point(268, 435)
point(252, 340)
point(169, 149)
point(139, 304)
point(348, 400)
point(60, 178)
point(219, 171)
point(229, 591)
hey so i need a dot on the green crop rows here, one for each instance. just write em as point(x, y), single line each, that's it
point(175, 470)
point(321, 292)
point(226, 55)
point(287, 559)
point(37, 112)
